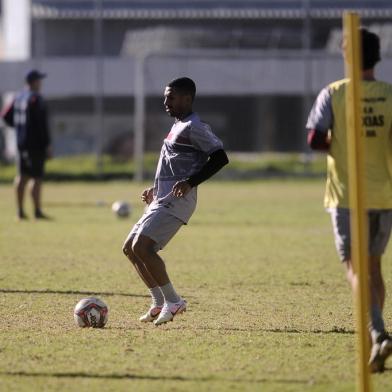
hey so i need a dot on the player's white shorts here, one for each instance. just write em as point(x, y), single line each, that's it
point(380, 225)
point(157, 225)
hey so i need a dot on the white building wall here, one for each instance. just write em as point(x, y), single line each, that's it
point(16, 30)
point(15, 41)
point(218, 76)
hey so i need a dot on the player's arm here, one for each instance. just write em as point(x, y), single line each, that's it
point(320, 121)
point(318, 140)
point(215, 162)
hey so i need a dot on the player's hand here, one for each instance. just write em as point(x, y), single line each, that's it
point(148, 195)
point(181, 188)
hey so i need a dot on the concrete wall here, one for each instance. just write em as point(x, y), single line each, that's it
point(214, 76)
point(253, 102)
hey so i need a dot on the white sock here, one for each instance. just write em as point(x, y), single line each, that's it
point(156, 296)
point(169, 293)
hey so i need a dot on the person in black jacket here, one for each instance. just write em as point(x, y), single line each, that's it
point(28, 115)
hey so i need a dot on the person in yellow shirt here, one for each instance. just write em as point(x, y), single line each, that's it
point(326, 127)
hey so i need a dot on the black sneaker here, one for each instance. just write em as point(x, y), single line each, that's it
point(386, 347)
point(381, 350)
point(40, 215)
point(22, 216)
point(376, 362)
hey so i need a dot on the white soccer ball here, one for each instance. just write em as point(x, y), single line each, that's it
point(121, 208)
point(91, 312)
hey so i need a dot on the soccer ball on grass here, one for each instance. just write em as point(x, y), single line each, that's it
point(91, 312)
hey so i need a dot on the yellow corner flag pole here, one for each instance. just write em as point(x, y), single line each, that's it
point(359, 231)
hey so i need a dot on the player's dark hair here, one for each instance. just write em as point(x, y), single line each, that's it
point(370, 48)
point(184, 85)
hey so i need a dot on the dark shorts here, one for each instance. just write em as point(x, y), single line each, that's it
point(31, 163)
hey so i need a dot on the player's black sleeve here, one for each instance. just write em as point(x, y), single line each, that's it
point(216, 161)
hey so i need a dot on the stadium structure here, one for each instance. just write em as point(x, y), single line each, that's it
point(257, 65)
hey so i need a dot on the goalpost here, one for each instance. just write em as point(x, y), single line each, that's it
point(359, 230)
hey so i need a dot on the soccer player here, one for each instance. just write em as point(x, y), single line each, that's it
point(327, 131)
point(28, 114)
point(190, 154)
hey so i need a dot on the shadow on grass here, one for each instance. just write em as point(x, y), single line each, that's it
point(47, 291)
point(129, 376)
point(276, 330)
point(315, 331)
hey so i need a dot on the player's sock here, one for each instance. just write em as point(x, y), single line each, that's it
point(169, 293)
point(377, 326)
point(157, 296)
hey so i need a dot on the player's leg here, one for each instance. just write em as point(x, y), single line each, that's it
point(155, 232)
point(380, 225)
point(380, 343)
point(140, 268)
point(377, 295)
point(21, 180)
point(350, 274)
point(380, 340)
point(146, 249)
point(341, 225)
point(157, 299)
point(376, 326)
point(377, 281)
point(37, 172)
point(35, 192)
point(20, 186)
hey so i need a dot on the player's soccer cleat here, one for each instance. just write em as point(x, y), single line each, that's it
point(22, 216)
point(386, 347)
point(379, 353)
point(40, 215)
point(170, 310)
point(376, 363)
point(151, 314)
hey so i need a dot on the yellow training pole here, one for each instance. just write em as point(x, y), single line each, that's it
point(359, 231)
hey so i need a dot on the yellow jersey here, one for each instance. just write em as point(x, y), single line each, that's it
point(329, 115)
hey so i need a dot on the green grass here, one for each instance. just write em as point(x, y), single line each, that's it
point(242, 166)
point(84, 167)
point(269, 308)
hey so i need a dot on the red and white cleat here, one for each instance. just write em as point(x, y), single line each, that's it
point(170, 310)
point(151, 314)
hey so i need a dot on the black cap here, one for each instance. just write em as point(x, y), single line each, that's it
point(33, 75)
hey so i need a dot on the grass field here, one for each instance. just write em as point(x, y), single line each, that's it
point(269, 309)
point(242, 166)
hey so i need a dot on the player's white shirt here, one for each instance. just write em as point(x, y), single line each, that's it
point(184, 152)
